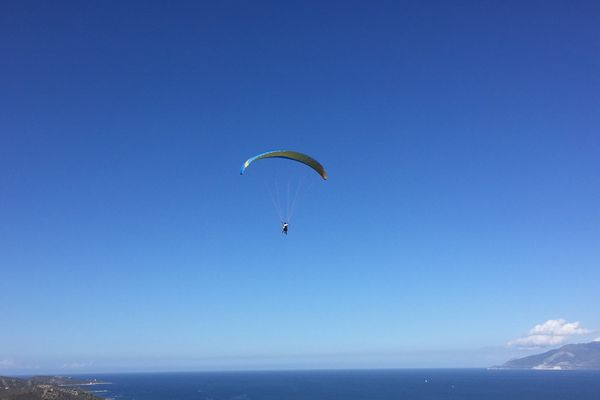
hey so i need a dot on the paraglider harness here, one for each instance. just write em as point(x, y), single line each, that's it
point(284, 228)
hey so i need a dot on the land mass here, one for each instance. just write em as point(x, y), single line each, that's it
point(568, 357)
point(44, 388)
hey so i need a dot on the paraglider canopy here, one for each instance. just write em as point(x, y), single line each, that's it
point(290, 155)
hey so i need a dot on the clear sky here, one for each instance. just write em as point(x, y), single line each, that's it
point(462, 141)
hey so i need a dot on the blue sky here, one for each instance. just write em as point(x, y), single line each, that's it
point(461, 141)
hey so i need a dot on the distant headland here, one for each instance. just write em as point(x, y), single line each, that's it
point(568, 357)
point(46, 388)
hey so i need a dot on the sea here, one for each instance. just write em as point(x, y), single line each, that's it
point(408, 384)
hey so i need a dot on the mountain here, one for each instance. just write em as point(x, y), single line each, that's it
point(570, 356)
point(42, 388)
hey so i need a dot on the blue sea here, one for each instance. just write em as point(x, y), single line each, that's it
point(415, 384)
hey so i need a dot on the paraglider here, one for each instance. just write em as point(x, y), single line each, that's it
point(275, 196)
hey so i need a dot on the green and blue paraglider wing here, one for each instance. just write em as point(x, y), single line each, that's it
point(290, 155)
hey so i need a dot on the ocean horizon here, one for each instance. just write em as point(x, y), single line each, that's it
point(372, 384)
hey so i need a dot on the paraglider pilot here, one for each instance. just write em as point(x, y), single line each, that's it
point(284, 228)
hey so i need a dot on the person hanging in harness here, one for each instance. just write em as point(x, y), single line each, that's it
point(284, 228)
